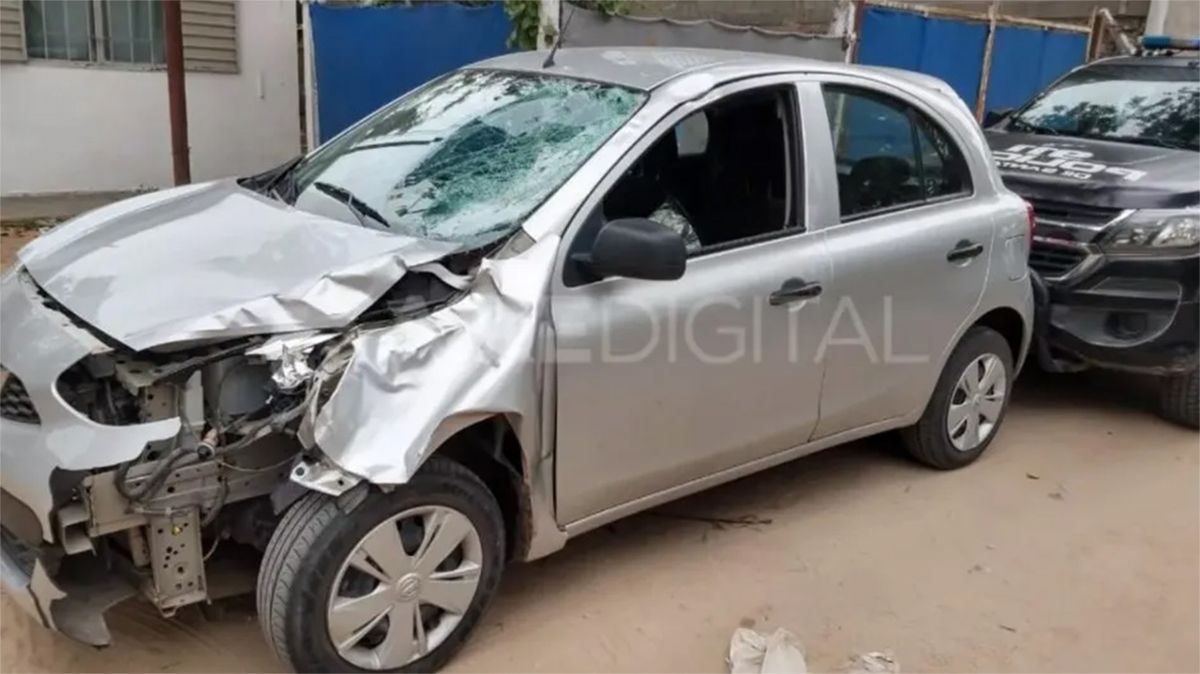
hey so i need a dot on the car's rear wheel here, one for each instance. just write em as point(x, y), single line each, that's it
point(968, 405)
point(395, 585)
point(1179, 399)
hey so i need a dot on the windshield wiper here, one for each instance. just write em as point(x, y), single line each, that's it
point(1034, 128)
point(358, 207)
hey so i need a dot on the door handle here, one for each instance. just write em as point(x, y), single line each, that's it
point(793, 290)
point(964, 250)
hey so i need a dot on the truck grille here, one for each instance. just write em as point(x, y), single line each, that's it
point(1058, 212)
point(15, 403)
point(1053, 261)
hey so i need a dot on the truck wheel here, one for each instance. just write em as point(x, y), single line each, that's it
point(966, 408)
point(396, 585)
point(1179, 399)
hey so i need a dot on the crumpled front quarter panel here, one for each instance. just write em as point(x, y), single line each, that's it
point(407, 384)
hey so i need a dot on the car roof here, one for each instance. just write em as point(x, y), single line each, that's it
point(1190, 60)
point(646, 67)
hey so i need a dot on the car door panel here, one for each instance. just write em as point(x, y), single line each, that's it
point(905, 278)
point(662, 383)
point(898, 304)
point(684, 378)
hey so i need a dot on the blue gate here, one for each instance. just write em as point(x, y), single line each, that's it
point(945, 48)
point(367, 56)
point(1023, 60)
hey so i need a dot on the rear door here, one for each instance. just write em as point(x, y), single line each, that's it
point(910, 247)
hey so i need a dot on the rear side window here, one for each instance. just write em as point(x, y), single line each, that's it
point(888, 155)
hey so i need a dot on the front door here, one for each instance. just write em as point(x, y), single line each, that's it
point(664, 382)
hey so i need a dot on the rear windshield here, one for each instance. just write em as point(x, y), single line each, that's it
point(1137, 104)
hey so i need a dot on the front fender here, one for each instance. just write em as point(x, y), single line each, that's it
point(409, 387)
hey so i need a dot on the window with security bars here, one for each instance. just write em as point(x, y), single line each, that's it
point(119, 31)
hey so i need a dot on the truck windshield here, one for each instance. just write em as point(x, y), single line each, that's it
point(1151, 105)
point(463, 159)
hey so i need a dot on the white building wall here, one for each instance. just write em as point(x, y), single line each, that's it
point(75, 128)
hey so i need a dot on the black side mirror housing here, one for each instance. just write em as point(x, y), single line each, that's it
point(994, 117)
point(636, 248)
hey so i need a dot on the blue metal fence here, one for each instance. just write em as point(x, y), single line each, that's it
point(945, 48)
point(1024, 59)
point(367, 56)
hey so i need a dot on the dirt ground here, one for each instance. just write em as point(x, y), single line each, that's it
point(1072, 545)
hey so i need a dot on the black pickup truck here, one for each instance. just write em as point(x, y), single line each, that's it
point(1109, 157)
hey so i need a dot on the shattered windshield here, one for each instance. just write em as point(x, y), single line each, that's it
point(1137, 104)
point(464, 159)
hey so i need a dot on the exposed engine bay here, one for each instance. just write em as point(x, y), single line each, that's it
point(182, 522)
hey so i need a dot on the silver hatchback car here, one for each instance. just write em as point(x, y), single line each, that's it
point(527, 299)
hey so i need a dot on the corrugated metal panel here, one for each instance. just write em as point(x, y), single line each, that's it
point(367, 56)
point(12, 31)
point(947, 48)
point(1024, 60)
point(210, 35)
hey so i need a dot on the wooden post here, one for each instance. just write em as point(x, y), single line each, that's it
point(985, 73)
point(1095, 36)
point(860, 7)
point(176, 92)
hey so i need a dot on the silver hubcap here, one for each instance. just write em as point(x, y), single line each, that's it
point(405, 587)
point(976, 402)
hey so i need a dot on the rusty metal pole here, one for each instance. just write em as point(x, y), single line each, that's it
point(176, 92)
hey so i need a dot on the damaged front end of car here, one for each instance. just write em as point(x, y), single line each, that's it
point(163, 471)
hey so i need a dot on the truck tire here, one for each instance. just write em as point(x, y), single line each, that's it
point(967, 406)
point(400, 581)
point(1179, 399)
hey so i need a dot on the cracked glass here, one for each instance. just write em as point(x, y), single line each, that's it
point(466, 158)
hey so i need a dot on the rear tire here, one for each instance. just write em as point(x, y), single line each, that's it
point(413, 555)
point(960, 422)
point(1179, 399)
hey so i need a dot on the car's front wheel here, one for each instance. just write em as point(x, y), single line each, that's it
point(967, 406)
point(395, 585)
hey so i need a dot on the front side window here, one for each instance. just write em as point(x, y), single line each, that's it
point(722, 175)
point(464, 159)
point(129, 31)
point(1149, 105)
point(889, 155)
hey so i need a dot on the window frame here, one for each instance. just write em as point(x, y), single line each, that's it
point(913, 113)
point(98, 36)
point(586, 223)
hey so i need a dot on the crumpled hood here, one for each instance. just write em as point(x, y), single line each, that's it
point(216, 260)
point(1095, 172)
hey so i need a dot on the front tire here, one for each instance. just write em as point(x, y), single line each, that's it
point(971, 398)
point(1179, 399)
point(396, 585)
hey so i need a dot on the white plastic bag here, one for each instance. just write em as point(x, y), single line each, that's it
point(752, 652)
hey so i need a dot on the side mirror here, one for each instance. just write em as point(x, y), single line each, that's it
point(994, 117)
point(636, 248)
